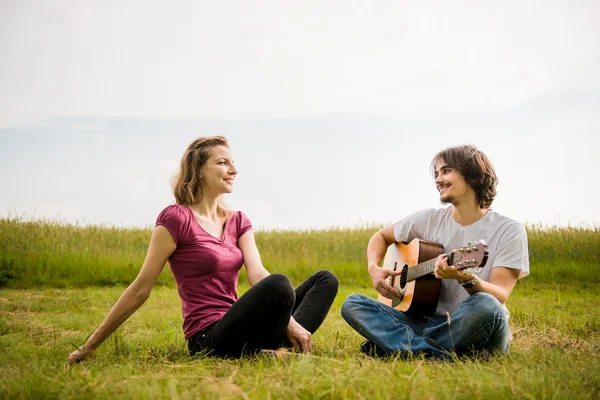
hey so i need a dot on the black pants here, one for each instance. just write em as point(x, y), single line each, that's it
point(259, 319)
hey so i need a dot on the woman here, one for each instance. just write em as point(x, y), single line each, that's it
point(206, 245)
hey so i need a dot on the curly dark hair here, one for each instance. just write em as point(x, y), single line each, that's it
point(475, 167)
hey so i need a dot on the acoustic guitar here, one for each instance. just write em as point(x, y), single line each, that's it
point(419, 288)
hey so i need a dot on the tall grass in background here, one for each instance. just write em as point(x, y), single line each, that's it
point(48, 253)
point(560, 254)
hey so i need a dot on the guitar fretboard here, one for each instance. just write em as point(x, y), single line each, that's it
point(425, 268)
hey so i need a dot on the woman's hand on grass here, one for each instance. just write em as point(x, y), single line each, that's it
point(299, 337)
point(77, 356)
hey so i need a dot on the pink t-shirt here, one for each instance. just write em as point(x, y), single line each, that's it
point(205, 268)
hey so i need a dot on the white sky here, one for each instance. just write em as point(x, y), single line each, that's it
point(334, 109)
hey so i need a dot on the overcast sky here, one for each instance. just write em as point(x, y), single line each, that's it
point(334, 109)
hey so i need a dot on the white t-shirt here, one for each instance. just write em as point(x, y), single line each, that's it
point(506, 240)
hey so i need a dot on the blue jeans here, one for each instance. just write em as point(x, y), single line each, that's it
point(480, 323)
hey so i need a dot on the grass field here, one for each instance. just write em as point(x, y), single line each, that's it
point(60, 281)
point(45, 253)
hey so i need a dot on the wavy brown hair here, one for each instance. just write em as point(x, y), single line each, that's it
point(475, 167)
point(186, 183)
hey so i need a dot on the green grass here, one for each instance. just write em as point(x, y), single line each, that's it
point(554, 354)
point(58, 282)
point(46, 253)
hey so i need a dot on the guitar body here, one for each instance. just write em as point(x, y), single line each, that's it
point(419, 297)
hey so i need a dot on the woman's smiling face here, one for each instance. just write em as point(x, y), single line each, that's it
point(219, 172)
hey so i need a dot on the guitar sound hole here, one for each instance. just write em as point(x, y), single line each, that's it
point(403, 276)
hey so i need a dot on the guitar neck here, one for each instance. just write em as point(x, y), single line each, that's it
point(424, 268)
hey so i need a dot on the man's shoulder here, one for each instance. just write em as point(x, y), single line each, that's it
point(419, 222)
point(498, 218)
point(505, 224)
point(430, 213)
point(434, 215)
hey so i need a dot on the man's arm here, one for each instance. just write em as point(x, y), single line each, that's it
point(512, 250)
point(376, 249)
point(501, 283)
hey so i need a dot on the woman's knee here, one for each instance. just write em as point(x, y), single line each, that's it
point(280, 286)
point(328, 279)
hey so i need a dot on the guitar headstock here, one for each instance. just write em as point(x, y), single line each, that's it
point(472, 256)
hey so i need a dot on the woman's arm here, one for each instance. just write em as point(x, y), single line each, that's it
point(161, 247)
point(252, 261)
point(299, 337)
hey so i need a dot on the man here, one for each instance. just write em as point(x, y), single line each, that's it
point(470, 314)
